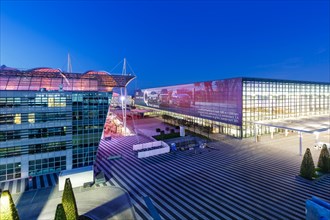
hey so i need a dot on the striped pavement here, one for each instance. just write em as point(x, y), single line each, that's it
point(227, 182)
point(37, 182)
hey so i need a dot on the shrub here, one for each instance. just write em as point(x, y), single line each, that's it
point(8, 209)
point(307, 168)
point(60, 214)
point(69, 201)
point(323, 162)
point(158, 130)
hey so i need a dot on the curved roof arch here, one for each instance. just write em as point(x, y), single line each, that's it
point(44, 69)
point(94, 72)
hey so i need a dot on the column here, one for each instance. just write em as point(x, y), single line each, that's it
point(286, 132)
point(271, 133)
point(300, 143)
point(256, 132)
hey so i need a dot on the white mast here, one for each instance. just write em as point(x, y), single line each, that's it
point(123, 98)
point(69, 67)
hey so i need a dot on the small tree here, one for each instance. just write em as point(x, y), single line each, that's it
point(8, 209)
point(307, 168)
point(167, 129)
point(323, 162)
point(158, 130)
point(60, 214)
point(69, 201)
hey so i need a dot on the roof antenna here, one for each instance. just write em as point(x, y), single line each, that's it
point(69, 68)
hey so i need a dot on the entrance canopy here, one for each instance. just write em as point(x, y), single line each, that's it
point(307, 124)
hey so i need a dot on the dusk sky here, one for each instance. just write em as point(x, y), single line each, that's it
point(171, 42)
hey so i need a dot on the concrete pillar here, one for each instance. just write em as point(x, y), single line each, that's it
point(286, 132)
point(256, 132)
point(300, 143)
point(271, 133)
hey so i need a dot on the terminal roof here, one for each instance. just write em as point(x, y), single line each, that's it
point(55, 79)
point(306, 124)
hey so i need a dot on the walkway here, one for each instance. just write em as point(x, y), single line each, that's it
point(37, 182)
point(228, 182)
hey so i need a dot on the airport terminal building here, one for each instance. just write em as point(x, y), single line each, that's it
point(235, 106)
point(51, 120)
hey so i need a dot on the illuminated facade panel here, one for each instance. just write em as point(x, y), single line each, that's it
point(231, 106)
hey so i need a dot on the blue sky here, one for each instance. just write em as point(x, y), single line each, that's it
point(171, 42)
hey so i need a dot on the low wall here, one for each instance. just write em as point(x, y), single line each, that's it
point(147, 153)
point(77, 176)
point(147, 145)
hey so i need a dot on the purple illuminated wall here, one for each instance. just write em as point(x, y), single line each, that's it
point(219, 100)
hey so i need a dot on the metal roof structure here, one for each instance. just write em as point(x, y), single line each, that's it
point(306, 124)
point(53, 79)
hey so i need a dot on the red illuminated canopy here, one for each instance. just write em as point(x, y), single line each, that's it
point(54, 79)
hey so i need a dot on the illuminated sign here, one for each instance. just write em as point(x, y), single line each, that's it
point(219, 100)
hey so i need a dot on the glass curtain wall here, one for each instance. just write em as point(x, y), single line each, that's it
point(268, 100)
point(89, 111)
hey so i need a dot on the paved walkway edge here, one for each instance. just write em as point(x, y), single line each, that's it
point(153, 212)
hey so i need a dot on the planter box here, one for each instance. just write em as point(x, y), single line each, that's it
point(161, 148)
point(150, 153)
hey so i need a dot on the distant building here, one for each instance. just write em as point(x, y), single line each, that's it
point(51, 120)
point(242, 107)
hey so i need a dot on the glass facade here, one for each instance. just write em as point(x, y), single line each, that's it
point(231, 106)
point(50, 120)
point(47, 165)
point(280, 99)
point(10, 171)
point(89, 111)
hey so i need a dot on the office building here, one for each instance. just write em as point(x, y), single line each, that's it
point(51, 120)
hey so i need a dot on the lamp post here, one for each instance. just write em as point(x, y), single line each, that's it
point(123, 109)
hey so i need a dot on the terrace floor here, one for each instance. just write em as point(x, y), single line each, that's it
point(236, 179)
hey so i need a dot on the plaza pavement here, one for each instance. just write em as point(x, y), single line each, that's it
point(235, 179)
point(98, 203)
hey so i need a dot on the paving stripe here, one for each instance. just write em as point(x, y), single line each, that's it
point(139, 203)
point(49, 180)
point(18, 186)
point(34, 182)
point(293, 195)
point(41, 180)
point(38, 185)
point(161, 196)
point(137, 200)
point(52, 178)
point(155, 215)
point(196, 202)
